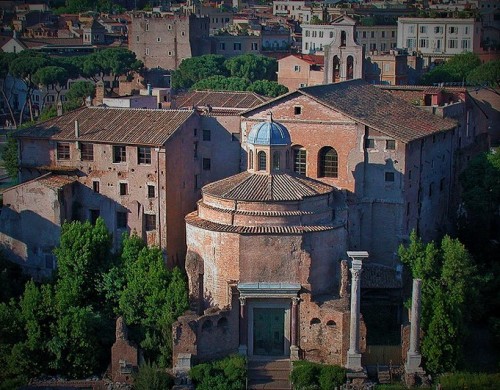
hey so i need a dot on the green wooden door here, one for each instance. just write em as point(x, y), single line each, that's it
point(269, 331)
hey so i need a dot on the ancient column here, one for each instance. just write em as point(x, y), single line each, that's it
point(413, 357)
point(242, 349)
point(353, 355)
point(294, 348)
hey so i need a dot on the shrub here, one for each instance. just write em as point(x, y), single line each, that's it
point(308, 376)
point(228, 373)
point(468, 380)
point(150, 377)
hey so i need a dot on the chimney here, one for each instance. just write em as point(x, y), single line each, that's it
point(150, 89)
point(77, 129)
point(99, 93)
point(59, 108)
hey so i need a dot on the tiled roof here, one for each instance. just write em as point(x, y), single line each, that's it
point(261, 188)
point(311, 58)
point(56, 181)
point(241, 100)
point(112, 125)
point(194, 220)
point(378, 109)
point(35, 42)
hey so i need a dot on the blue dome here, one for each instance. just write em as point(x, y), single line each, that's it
point(269, 133)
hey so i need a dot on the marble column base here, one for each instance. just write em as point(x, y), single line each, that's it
point(294, 352)
point(242, 350)
point(413, 361)
point(354, 361)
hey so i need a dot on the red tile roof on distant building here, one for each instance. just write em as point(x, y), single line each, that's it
point(111, 125)
point(219, 99)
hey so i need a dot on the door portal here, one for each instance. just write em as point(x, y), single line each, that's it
point(269, 331)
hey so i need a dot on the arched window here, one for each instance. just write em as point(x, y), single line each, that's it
point(250, 160)
point(299, 160)
point(328, 162)
point(350, 68)
point(343, 38)
point(336, 69)
point(276, 161)
point(262, 160)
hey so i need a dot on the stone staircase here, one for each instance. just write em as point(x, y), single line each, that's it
point(269, 374)
point(384, 374)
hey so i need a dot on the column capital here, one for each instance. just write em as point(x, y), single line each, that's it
point(295, 301)
point(242, 300)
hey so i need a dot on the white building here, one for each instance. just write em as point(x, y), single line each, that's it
point(439, 38)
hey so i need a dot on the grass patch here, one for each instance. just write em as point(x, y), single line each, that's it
point(470, 380)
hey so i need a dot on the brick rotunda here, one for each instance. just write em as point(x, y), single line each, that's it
point(264, 262)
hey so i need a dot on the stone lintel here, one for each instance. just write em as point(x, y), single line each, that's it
point(269, 290)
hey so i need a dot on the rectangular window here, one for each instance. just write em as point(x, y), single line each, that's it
point(121, 219)
point(150, 222)
point(393, 34)
point(372, 34)
point(123, 188)
point(390, 144)
point(195, 149)
point(255, 46)
point(364, 34)
point(206, 164)
point(465, 44)
point(423, 29)
point(453, 44)
point(389, 176)
point(411, 43)
point(438, 30)
point(369, 143)
point(119, 154)
point(222, 46)
point(207, 136)
point(297, 110)
point(94, 214)
point(196, 182)
point(87, 152)
point(452, 30)
point(147, 51)
point(383, 34)
point(296, 68)
point(237, 46)
point(424, 42)
point(63, 151)
point(151, 191)
point(144, 155)
point(95, 186)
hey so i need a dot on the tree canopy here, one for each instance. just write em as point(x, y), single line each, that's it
point(450, 287)
point(238, 73)
point(66, 326)
point(487, 74)
point(456, 69)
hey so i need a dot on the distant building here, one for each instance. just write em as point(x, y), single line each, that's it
point(301, 70)
point(162, 40)
point(439, 38)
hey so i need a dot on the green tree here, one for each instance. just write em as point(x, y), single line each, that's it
point(221, 83)
point(10, 156)
point(456, 69)
point(198, 68)
point(480, 183)
point(267, 88)
point(83, 255)
point(486, 74)
point(79, 91)
point(449, 288)
point(52, 75)
point(5, 60)
point(24, 68)
point(12, 279)
point(252, 67)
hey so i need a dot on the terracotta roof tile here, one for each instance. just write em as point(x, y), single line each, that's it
point(378, 109)
point(112, 125)
point(219, 99)
point(56, 181)
point(194, 220)
point(261, 188)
